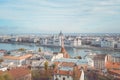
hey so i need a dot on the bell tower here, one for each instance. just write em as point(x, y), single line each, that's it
point(65, 54)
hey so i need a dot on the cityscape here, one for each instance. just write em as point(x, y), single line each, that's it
point(59, 40)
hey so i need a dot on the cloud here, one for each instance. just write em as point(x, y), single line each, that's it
point(73, 14)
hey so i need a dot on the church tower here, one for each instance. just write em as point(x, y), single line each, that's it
point(60, 38)
point(65, 54)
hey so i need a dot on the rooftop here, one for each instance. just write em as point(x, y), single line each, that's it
point(77, 61)
point(18, 57)
point(99, 56)
point(113, 65)
point(19, 72)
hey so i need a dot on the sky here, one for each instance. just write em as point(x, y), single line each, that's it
point(50, 16)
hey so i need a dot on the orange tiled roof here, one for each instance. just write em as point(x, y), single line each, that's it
point(113, 65)
point(19, 57)
point(65, 54)
point(69, 64)
point(63, 50)
point(114, 72)
point(1, 72)
point(62, 72)
point(99, 57)
point(2, 51)
point(70, 73)
point(19, 72)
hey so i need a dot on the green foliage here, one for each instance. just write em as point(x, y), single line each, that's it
point(35, 74)
point(53, 65)
point(7, 77)
point(1, 60)
point(8, 52)
point(39, 50)
point(2, 78)
point(21, 49)
point(46, 65)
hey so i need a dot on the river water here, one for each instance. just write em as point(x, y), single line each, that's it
point(71, 51)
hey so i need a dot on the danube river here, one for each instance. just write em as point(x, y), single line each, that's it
point(71, 51)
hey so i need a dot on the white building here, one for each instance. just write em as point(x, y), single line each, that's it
point(114, 57)
point(118, 45)
point(2, 52)
point(57, 55)
point(15, 60)
point(100, 61)
point(61, 37)
point(96, 42)
point(14, 39)
point(68, 71)
point(36, 61)
point(107, 44)
point(89, 57)
point(76, 42)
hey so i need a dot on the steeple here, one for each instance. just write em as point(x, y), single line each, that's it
point(60, 34)
point(65, 54)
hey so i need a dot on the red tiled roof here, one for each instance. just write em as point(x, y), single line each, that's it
point(113, 65)
point(114, 72)
point(19, 57)
point(1, 72)
point(62, 72)
point(65, 54)
point(68, 64)
point(19, 72)
point(63, 50)
point(99, 57)
point(2, 51)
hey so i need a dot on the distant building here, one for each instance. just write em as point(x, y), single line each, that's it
point(19, 73)
point(36, 61)
point(114, 57)
point(113, 69)
point(68, 71)
point(2, 53)
point(100, 61)
point(107, 44)
point(76, 42)
point(81, 63)
point(15, 60)
point(57, 55)
point(61, 37)
point(2, 68)
point(65, 54)
point(118, 45)
point(96, 42)
point(90, 58)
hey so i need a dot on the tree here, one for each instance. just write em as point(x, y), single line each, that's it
point(7, 76)
point(35, 75)
point(46, 67)
point(39, 50)
point(21, 49)
point(53, 66)
point(79, 57)
point(1, 60)
point(1, 77)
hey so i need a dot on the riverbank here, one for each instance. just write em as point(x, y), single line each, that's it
point(66, 46)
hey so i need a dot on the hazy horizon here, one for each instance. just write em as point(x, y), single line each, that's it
point(70, 16)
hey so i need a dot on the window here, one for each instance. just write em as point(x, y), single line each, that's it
point(59, 75)
point(64, 78)
point(56, 79)
point(68, 76)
